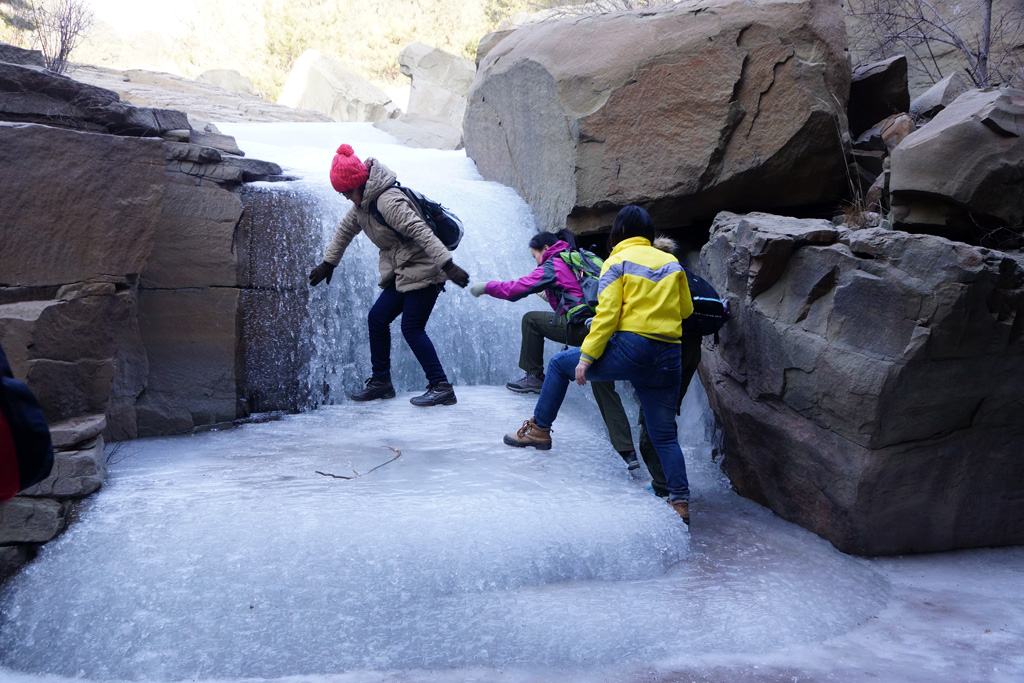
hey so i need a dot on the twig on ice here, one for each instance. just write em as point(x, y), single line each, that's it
point(398, 454)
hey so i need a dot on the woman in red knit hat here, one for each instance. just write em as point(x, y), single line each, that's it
point(414, 265)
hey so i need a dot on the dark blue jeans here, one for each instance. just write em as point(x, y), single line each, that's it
point(415, 308)
point(653, 368)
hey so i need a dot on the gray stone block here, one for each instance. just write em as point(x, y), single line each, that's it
point(76, 431)
point(30, 520)
point(76, 474)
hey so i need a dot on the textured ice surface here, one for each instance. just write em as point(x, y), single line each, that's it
point(225, 555)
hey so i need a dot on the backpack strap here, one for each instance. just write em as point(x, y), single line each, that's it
point(379, 217)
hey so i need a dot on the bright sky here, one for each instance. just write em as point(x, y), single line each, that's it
point(135, 16)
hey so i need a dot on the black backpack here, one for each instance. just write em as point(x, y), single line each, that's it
point(26, 452)
point(442, 222)
point(710, 311)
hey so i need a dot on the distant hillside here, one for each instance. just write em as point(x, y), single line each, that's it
point(263, 38)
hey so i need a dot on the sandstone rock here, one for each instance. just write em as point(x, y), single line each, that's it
point(895, 130)
point(30, 520)
point(488, 42)
point(17, 326)
point(224, 143)
point(87, 321)
point(254, 170)
point(939, 96)
point(840, 384)
point(688, 109)
point(423, 131)
point(66, 389)
point(64, 348)
point(18, 55)
point(82, 215)
point(192, 344)
point(321, 84)
point(194, 245)
point(960, 175)
point(440, 83)
point(229, 79)
point(33, 94)
point(76, 431)
point(877, 91)
point(177, 151)
point(76, 474)
point(202, 101)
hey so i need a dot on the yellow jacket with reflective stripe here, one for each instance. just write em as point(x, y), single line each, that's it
point(642, 290)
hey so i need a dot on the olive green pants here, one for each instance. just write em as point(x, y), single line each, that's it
point(538, 326)
point(691, 359)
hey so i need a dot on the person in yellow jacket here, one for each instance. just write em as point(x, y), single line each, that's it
point(643, 297)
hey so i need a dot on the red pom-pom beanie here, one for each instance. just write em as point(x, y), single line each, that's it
point(347, 171)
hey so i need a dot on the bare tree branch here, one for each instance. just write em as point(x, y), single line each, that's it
point(398, 454)
point(60, 26)
point(988, 44)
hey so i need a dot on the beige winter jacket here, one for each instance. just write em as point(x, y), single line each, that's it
point(411, 264)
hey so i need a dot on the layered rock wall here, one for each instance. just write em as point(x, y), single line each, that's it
point(123, 277)
point(869, 385)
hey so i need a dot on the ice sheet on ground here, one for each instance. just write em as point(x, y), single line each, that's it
point(225, 554)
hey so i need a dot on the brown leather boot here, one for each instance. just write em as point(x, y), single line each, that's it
point(683, 508)
point(530, 435)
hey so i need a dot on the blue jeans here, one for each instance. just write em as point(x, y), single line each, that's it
point(653, 368)
point(415, 308)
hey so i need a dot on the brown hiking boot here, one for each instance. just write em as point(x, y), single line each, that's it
point(530, 435)
point(683, 508)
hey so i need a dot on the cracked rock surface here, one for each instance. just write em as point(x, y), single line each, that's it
point(868, 387)
point(685, 110)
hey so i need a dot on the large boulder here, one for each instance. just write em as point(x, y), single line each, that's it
point(960, 175)
point(440, 82)
point(700, 106)
point(423, 132)
point(877, 90)
point(323, 85)
point(229, 79)
point(869, 387)
point(939, 96)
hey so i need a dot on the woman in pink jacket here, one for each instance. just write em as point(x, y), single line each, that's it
point(554, 278)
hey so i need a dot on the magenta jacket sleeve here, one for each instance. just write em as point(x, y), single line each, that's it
point(539, 279)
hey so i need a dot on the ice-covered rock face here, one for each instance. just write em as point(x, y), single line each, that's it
point(226, 554)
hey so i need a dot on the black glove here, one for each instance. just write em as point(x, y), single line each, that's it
point(456, 274)
point(322, 272)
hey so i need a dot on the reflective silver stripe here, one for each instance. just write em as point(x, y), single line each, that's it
point(609, 276)
point(617, 270)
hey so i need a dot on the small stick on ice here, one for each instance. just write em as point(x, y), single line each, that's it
point(398, 454)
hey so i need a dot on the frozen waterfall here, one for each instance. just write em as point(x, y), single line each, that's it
point(236, 554)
